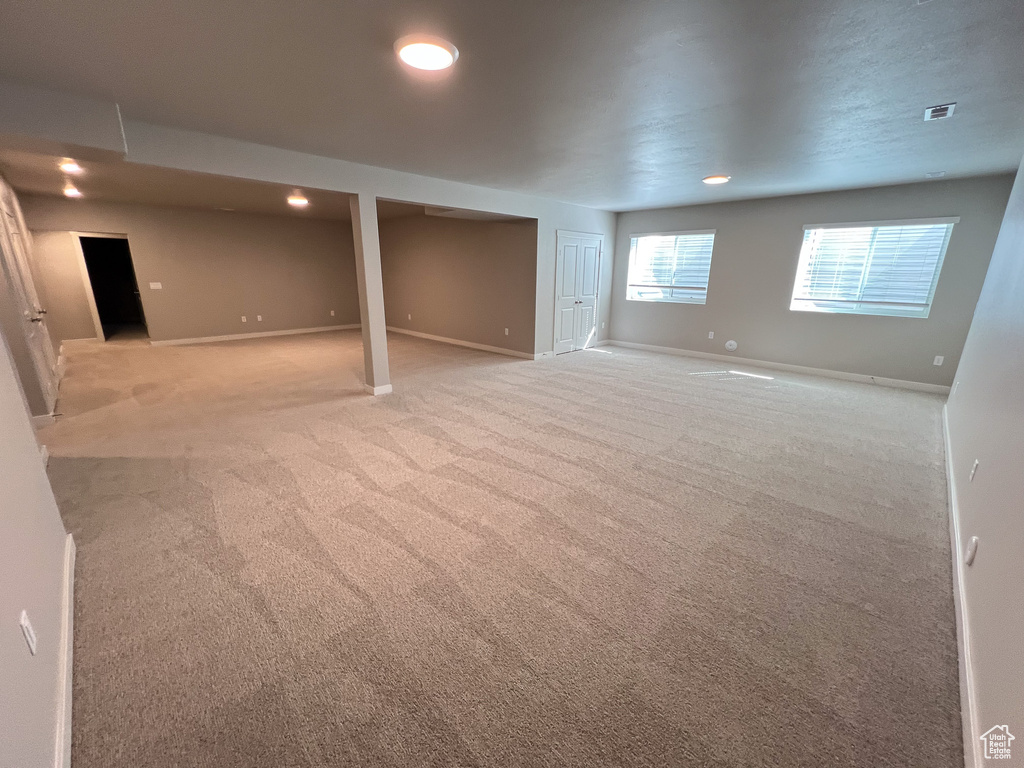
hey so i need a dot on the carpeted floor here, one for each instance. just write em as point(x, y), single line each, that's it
point(607, 558)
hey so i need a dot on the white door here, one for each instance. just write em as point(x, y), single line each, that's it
point(588, 264)
point(566, 280)
point(577, 272)
point(15, 242)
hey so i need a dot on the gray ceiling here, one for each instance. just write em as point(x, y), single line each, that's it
point(618, 104)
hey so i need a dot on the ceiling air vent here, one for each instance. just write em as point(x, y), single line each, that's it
point(939, 112)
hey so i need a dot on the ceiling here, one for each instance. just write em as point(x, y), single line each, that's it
point(617, 104)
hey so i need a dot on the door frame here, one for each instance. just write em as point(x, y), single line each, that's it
point(559, 233)
point(84, 271)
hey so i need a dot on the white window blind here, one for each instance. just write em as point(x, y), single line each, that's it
point(890, 268)
point(670, 267)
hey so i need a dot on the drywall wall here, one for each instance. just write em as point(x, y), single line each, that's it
point(753, 267)
point(32, 556)
point(61, 286)
point(465, 280)
point(213, 266)
point(985, 416)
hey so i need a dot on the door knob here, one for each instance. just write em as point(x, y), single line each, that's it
point(35, 319)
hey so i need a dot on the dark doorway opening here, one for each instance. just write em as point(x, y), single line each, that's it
point(112, 275)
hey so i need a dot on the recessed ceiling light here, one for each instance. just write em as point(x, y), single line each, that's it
point(298, 201)
point(426, 52)
point(70, 166)
point(71, 191)
point(716, 179)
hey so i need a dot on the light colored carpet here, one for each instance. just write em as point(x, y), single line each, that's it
point(608, 558)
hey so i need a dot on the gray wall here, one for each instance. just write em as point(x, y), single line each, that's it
point(32, 541)
point(215, 266)
point(754, 264)
point(986, 422)
point(465, 280)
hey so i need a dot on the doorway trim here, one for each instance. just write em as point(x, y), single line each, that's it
point(559, 233)
point(84, 270)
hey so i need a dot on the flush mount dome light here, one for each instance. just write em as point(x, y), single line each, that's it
point(71, 191)
point(299, 201)
point(716, 179)
point(426, 52)
point(70, 166)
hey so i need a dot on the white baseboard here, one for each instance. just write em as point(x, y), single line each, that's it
point(918, 386)
point(256, 335)
point(62, 750)
point(460, 343)
point(544, 355)
point(42, 421)
point(382, 390)
point(968, 707)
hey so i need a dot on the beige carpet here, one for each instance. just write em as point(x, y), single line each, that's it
point(608, 558)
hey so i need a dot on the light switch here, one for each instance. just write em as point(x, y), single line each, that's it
point(259, 318)
point(156, 286)
point(939, 360)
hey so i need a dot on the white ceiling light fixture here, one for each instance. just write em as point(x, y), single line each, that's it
point(717, 179)
point(298, 200)
point(70, 166)
point(426, 52)
point(71, 191)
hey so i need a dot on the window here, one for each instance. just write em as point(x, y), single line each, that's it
point(670, 267)
point(888, 268)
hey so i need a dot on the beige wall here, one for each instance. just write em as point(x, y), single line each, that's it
point(754, 264)
point(214, 266)
point(986, 423)
point(465, 280)
point(32, 542)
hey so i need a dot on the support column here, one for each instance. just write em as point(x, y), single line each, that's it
point(371, 293)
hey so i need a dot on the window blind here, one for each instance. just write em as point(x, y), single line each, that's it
point(670, 267)
point(889, 269)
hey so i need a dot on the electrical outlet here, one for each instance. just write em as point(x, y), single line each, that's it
point(156, 286)
point(28, 632)
point(243, 319)
point(711, 334)
point(939, 360)
point(259, 318)
point(506, 331)
point(332, 313)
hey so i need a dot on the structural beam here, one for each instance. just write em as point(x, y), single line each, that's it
point(371, 293)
